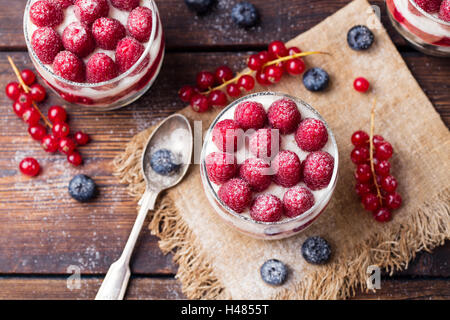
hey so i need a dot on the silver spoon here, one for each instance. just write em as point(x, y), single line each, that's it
point(174, 134)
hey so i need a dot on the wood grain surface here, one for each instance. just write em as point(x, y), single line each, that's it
point(43, 231)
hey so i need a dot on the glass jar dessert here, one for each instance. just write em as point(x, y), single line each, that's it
point(269, 165)
point(103, 54)
point(426, 26)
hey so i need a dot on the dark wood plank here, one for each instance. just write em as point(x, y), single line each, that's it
point(151, 288)
point(281, 19)
point(44, 231)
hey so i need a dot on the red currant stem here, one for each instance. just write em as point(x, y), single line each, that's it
point(372, 166)
point(27, 90)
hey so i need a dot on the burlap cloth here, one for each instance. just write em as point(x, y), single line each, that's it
point(217, 262)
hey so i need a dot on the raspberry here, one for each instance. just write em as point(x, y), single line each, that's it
point(250, 115)
point(139, 23)
point(63, 4)
point(283, 115)
point(220, 167)
point(311, 135)
point(100, 67)
point(107, 32)
point(297, 200)
point(266, 208)
point(287, 168)
point(128, 51)
point(261, 143)
point(429, 6)
point(69, 66)
point(236, 194)
point(78, 39)
point(88, 11)
point(256, 173)
point(126, 5)
point(225, 135)
point(46, 14)
point(444, 11)
point(318, 169)
point(46, 42)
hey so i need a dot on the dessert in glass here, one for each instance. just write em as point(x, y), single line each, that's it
point(425, 24)
point(103, 54)
point(269, 165)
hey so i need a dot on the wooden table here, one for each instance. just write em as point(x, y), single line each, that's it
point(43, 231)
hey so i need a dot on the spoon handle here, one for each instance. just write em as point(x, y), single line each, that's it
point(116, 280)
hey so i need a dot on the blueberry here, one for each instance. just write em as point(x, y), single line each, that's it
point(316, 250)
point(316, 79)
point(274, 272)
point(164, 162)
point(360, 38)
point(200, 6)
point(82, 188)
point(245, 14)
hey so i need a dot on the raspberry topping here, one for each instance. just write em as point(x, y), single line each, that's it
point(88, 11)
point(311, 135)
point(288, 168)
point(261, 143)
point(127, 5)
point(266, 208)
point(444, 11)
point(63, 4)
point(139, 23)
point(220, 167)
point(297, 200)
point(100, 67)
point(256, 173)
point(225, 135)
point(236, 194)
point(69, 66)
point(318, 169)
point(45, 14)
point(128, 51)
point(46, 43)
point(107, 32)
point(283, 115)
point(250, 115)
point(77, 38)
point(429, 6)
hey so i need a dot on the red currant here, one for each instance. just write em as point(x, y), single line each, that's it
point(223, 74)
point(277, 49)
point(254, 62)
point(393, 200)
point(25, 99)
point(261, 77)
point(66, 145)
point(363, 173)
point(360, 139)
point(29, 167)
point(273, 73)
point(377, 140)
point(50, 143)
point(60, 130)
point(246, 82)
point(31, 116)
point(19, 108)
point(217, 98)
point(81, 138)
point(293, 50)
point(384, 151)
point(13, 90)
point(37, 131)
point(199, 103)
point(389, 184)
point(360, 155)
point(382, 168)
point(205, 80)
point(37, 92)
point(370, 202)
point(294, 66)
point(382, 215)
point(264, 56)
point(57, 114)
point(28, 76)
point(361, 84)
point(185, 93)
point(233, 90)
point(362, 188)
point(74, 158)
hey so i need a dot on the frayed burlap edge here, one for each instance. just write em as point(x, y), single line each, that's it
point(391, 249)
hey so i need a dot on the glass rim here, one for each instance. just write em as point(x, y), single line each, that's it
point(87, 84)
point(307, 214)
point(428, 15)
